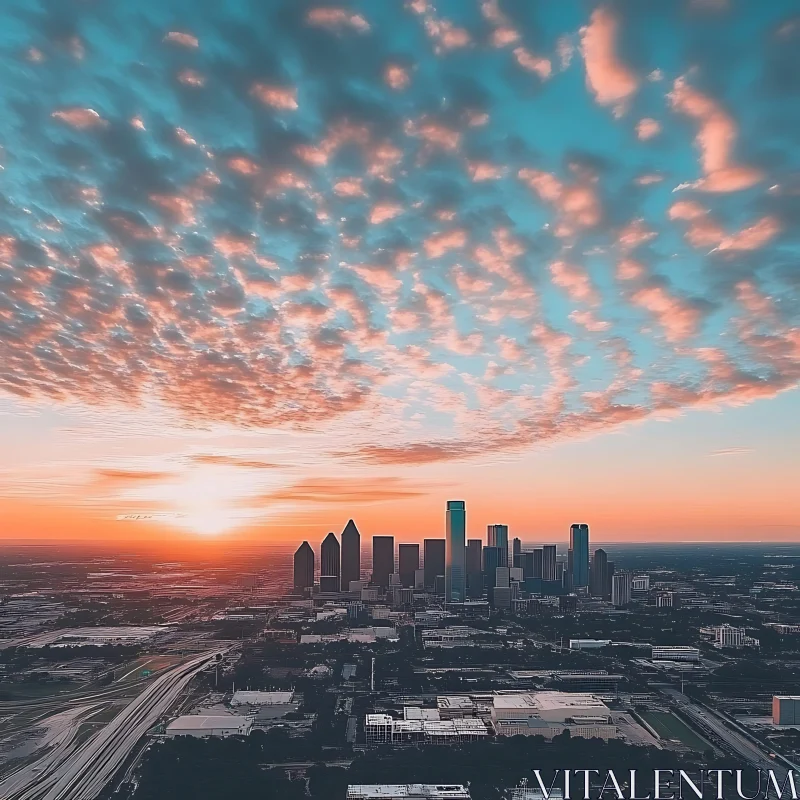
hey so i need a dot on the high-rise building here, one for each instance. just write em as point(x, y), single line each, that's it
point(549, 562)
point(568, 570)
point(621, 589)
point(351, 554)
point(407, 563)
point(579, 544)
point(497, 536)
point(537, 562)
point(330, 563)
point(502, 577)
point(433, 564)
point(456, 552)
point(516, 552)
point(526, 562)
point(303, 568)
point(598, 574)
point(382, 560)
point(474, 568)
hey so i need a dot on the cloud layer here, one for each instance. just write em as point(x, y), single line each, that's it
point(443, 230)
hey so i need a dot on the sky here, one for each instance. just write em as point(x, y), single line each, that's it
point(267, 265)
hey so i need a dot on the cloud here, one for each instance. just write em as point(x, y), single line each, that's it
point(731, 451)
point(611, 81)
point(346, 490)
point(716, 136)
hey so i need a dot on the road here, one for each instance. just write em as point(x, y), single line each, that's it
point(712, 724)
point(73, 772)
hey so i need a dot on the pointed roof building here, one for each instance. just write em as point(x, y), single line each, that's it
point(351, 555)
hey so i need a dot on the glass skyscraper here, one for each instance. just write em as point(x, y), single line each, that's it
point(455, 552)
point(497, 536)
point(579, 544)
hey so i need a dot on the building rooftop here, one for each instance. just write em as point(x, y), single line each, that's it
point(193, 722)
point(261, 698)
point(429, 791)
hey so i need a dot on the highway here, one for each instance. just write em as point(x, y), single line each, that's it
point(79, 772)
point(717, 728)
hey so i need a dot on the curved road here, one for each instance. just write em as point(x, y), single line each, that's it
point(69, 773)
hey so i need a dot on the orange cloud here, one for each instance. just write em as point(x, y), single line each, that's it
point(611, 81)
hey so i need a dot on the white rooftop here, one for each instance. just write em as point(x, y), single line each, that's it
point(385, 791)
point(242, 698)
point(194, 722)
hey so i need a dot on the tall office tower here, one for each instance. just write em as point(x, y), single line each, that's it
point(502, 577)
point(568, 570)
point(474, 568)
point(382, 560)
point(303, 568)
point(491, 561)
point(497, 536)
point(526, 562)
point(330, 563)
point(609, 580)
point(516, 552)
point(351, 554)
point(579, 544)
point(549, 562)
point(621, 589)
point(456, 552)
point(433, 554)
point(598, 573)
point(407, 563)
point(537, 563)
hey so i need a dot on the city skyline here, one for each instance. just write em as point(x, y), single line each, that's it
point(260, 274)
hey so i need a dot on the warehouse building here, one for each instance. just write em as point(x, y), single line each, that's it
point(408, 791)
point(549, 714)
point(202, 726)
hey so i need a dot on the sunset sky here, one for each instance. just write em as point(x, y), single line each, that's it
point(266, 265)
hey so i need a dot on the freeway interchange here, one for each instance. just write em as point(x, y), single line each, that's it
point(69, 770)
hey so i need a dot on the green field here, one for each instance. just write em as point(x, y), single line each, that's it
point(668, 726)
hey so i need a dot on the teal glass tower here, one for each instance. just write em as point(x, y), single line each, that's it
point(579, 545)
point(456, 552)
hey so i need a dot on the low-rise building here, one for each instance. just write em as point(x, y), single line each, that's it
point(408, 791)
point(241, 698)
point(549, 714)
point(204, 725)
point(675, 653)
point(384, 729)
point(786, 710)
point(588, 644)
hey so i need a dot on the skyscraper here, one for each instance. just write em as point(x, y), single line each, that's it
point(433, 553)
point(491, 559)
point(516, 552)
point(474, 571)
point(537, 562)
point(526, 562)
point(621, 589)
point(579, 544)
point(455, 551)
point(598, 573)
point(382, 560)
point(351, 554)
point(408, 563)
point(303, 568)
point(549, 562)
point(330, 562)
point(497, 536)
